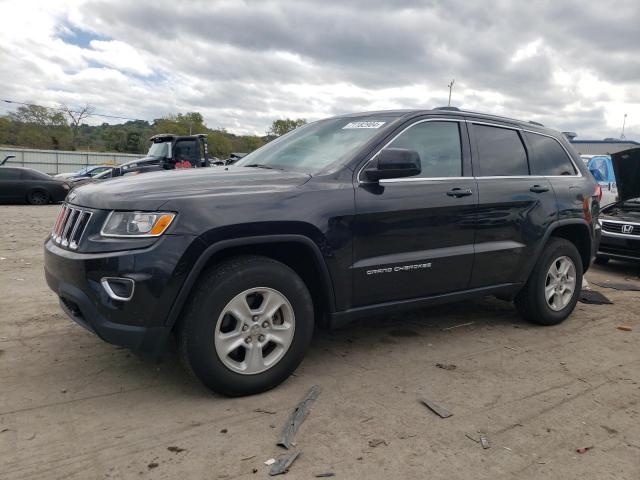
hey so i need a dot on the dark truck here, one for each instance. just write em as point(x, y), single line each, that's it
point(342, 218)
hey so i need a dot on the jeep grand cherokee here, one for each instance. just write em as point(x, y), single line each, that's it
point(339, 219)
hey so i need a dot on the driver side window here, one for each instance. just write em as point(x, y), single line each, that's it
point(439, 147)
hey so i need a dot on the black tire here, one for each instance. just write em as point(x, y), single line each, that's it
point(531, 302)
point(216, 288)
point(601, 260)
point(38, 197)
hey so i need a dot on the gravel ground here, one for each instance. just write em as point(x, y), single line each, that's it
point(74, 407)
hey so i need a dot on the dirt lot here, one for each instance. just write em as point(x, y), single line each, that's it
point(74, 407)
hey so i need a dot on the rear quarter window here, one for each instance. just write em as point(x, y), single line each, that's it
point(548, 157)
point(500, 151)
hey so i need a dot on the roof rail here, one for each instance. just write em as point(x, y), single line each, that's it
point(453, 109)
point(536, 123)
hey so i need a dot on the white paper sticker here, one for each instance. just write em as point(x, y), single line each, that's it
point(363, 125)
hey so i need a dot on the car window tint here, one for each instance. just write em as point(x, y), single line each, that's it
point(9, 174)
point(548, 157)
point(501, 152)
point(439, 147)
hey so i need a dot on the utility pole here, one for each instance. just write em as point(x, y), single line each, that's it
point(453, 80)
point(624, 122)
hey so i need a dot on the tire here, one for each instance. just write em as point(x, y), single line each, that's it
point(38, 197)
point(207, 326)
point(531, 301)
point(601, 260)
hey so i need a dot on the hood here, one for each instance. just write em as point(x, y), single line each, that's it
point(149, 191)
point(626, 165)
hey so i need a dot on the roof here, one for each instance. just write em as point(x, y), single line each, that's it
point(612, 141)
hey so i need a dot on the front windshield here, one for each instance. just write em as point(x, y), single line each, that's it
point(160, 150)
point(316, 146)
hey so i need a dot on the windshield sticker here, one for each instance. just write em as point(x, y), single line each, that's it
point(363, 125)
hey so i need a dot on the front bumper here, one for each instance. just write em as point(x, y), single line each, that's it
point(159, 272)
point(619, 247)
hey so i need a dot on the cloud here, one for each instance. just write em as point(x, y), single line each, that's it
point(570, 65)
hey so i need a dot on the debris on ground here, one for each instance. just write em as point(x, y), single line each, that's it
point(484, 441)
point(175, 449)
point(248, 458)
point(264, 410)
point(623, 286)
point(583, 449)
point(282, 464)
point(625, 328)
point(458, 326)
point(297, 417)
point(471, 438)
point(152, 465)
point(376, 442)
point(446, 366)
point(437, 409)
point(271, 461)
point(511, 348)
point(224, 430)
point(594, 298)
point(325, 475)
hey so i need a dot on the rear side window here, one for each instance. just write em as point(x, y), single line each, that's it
point(439, 147)
point(548, 157)
point(9, 174)
point(501, 152)
point(187, 150)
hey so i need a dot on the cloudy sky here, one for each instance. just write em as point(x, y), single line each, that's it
point(572, 65)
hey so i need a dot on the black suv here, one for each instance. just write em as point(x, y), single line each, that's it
point(342, 218)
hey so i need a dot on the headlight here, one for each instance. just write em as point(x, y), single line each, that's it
point(136, 224)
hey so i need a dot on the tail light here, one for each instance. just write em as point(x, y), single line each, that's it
point(598, 193)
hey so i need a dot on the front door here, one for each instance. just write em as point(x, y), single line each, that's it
point(414, 236)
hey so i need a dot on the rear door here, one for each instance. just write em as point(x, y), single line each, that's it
point(12, 187)
point(413, 236)
point(514, 207)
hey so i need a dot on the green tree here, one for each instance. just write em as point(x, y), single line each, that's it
point(282, 126)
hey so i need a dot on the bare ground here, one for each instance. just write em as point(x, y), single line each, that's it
point(74, 407)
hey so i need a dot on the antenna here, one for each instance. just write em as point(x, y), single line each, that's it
point(624, 122)
point(453, 80)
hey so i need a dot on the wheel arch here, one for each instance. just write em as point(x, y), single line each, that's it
point(37, 188)
point(293, 250)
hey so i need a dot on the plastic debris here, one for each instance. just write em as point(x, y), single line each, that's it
point(446, 366)
point(625, 328)
point(594, 298)
point(484, 441)
point(583, 449)
point(437, 409)
point(625, 287)
point(376, 442)
point(297, 417)
point(271, 461)
point(283, 463)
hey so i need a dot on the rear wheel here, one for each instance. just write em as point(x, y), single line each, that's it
point(38, 197)
point(247, 326)
point(552, 290)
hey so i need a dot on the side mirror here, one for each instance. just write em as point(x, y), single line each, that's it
point(394, 163)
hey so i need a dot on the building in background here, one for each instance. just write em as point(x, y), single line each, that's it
point(600, 147)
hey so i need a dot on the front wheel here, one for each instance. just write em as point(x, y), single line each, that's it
point(247, 326)
point(552, 290)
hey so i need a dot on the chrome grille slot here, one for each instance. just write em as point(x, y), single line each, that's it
point(70, 226)
point(621, 228)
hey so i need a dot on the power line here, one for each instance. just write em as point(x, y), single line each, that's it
point(72, 111)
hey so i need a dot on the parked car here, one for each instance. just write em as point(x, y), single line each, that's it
point(86, 172)
point(19, 184)
point(339, 219)
point(621, 221)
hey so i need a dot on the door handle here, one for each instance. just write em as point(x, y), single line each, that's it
point(459, 192)
point(539, 189)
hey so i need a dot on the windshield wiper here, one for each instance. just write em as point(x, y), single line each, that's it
point(262, 165)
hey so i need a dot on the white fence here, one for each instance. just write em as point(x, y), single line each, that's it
point(59, 161)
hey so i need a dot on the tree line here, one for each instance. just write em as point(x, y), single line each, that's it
point(34, 126)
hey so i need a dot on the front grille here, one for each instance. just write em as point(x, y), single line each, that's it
point(70, 226)
point(621, 228)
